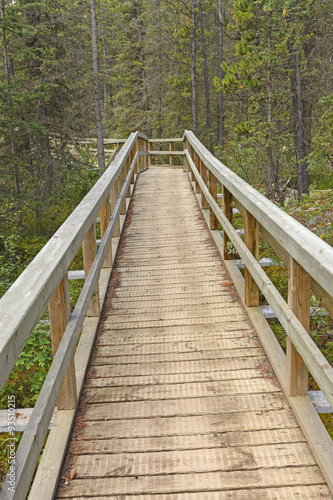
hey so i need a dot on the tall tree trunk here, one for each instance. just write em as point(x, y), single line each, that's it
point(159, 111)
point(97, 95)
point(145, 94)
point(10, 108)
point(207, 95)
point(193, 71)
point(220, 111)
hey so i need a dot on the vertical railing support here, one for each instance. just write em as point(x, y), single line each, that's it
point(59, 312)
point(196, 160)
point(89, 252)
point(105, 219)
point(252, 243)
point(114, 197)
point(171, 156)
point(121, 180)
point(299, 301)
point(227, 211)
point(213, 192)
point(150, 156)
point(204, 175)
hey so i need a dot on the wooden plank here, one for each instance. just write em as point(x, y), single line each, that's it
point(225, 425)
point(187, 406)
point(227, 210)
point(213, 481)
point(187, 442)
point(285, 492)
point(184, 366)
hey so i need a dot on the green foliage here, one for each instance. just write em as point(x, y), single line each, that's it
point(28, 375)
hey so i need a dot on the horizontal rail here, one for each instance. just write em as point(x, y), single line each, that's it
point(21, 309)
point(166, 153)
point(314, 255)
point(314, 359)
point(309, 261)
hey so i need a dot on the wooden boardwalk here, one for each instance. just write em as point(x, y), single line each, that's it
point(180, 402)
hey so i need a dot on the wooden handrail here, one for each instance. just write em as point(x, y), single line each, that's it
point(310, 263)
point(25, 302)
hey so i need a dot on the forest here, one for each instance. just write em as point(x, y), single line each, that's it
point(251, 78)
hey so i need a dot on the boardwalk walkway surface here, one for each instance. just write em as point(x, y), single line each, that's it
point(180, 402)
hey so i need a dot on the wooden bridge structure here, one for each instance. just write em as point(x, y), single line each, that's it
point(168, 381)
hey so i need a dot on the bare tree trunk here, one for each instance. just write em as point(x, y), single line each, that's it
point(193, 72)
point(140, 32)
point(159, 112)
point(10, 108)
point(207, 95)
point(220, 111)
point(97, 95)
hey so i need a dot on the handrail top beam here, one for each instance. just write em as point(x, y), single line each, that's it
point(311, 252)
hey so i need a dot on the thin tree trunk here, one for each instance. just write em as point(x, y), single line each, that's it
point(193, 72)
point(207, 95)
point(159, 112)
point(145, 104)
point(97, 95)
point(220, 111)
point(10, 108)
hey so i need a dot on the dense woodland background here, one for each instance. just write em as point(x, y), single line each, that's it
point(253, 80)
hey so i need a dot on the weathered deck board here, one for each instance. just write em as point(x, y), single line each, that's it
point(181, 403)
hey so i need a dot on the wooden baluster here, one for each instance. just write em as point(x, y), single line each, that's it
point(299, 301)
point(128, 166)
point(227, 210)
point(114, 197)
point(171, 156)
point(121, 180)
point(59, 312)
point(150, 156)
point(105, 219)
point(213, 192)
point(204, 175)
point(252, 243)
point(89, 252)
point(196, 160)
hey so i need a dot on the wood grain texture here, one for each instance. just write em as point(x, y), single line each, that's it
point(181, 402)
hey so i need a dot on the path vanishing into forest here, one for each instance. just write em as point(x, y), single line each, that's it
point(167, 381)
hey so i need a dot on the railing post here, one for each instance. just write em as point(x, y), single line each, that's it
point(59, 312)
point(121, 180)
point(252, 243)
point(150, 156)
point(204, 174)
point(299, 301)
point(89, 252)
point(105, 219)
point(114, 197)
point(227, 211)
point(171, 156)
point(196, 160)
point(213, 192)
